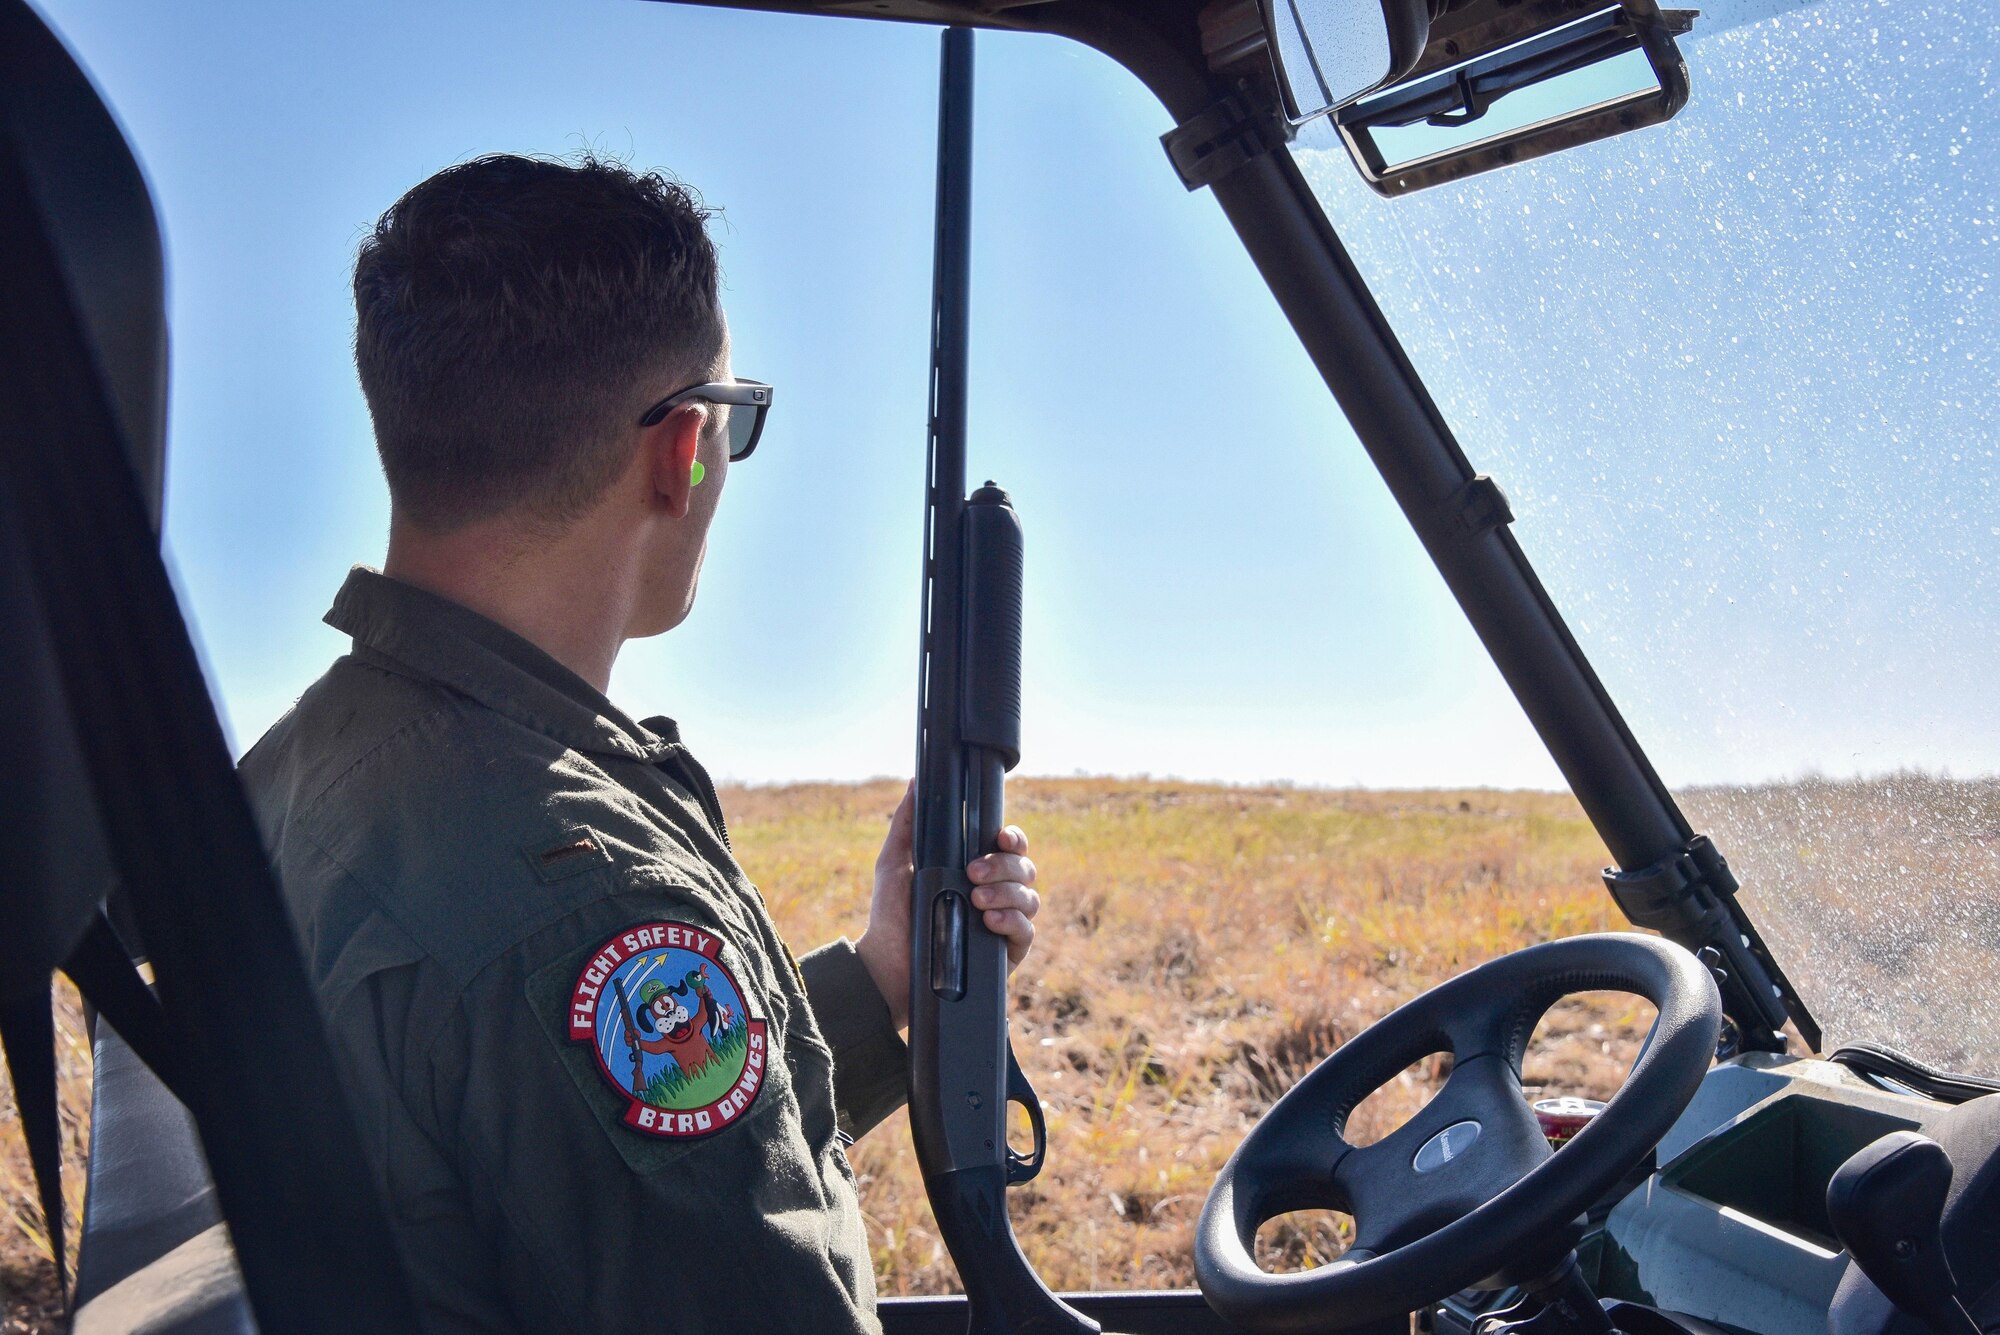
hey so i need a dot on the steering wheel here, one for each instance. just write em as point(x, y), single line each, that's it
point(1468, 1187)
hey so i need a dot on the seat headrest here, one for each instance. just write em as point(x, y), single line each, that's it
point(86, 186)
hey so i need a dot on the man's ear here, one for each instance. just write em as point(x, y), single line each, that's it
point(670, 447)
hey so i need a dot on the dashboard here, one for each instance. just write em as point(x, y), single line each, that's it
point(1728, 1228)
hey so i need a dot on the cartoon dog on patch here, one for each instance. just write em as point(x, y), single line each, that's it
point(681, 1035)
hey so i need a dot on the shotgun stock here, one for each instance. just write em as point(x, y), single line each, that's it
point(962, 1068)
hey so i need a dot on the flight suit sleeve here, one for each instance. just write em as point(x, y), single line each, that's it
point(871, 1063)
point(446, 1250)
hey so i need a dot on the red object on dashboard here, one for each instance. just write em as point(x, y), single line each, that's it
point(1562, 1118)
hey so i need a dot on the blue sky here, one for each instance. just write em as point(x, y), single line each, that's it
point(1218, 584)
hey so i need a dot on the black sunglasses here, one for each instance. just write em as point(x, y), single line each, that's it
point(744, 428)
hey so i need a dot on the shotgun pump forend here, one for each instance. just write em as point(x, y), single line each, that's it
point(990, 709)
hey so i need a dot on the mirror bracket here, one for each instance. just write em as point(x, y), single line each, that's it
point(1473, 103)
point(1230, 132)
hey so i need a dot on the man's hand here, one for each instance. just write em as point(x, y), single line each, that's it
point(1003, 886)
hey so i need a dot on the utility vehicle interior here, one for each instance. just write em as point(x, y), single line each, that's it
point(1740, 1181)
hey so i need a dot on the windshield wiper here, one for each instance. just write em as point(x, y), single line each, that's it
point(1880, 1062)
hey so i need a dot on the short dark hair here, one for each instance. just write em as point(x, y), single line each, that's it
point(514, 317)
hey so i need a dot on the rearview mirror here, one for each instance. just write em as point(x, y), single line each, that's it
point(1329, 52)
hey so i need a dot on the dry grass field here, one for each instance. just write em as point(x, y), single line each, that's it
point(29, 1302)
point(1201, 947)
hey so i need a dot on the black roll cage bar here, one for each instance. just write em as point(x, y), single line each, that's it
point(1668, 877)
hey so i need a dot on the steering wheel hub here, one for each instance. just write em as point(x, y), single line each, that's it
point(1445, 1146)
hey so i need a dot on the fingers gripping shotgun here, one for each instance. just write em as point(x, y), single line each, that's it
point(962, 1068)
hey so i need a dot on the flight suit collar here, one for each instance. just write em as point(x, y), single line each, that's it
point(426, 635)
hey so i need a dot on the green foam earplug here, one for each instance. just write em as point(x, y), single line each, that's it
point(695, 477)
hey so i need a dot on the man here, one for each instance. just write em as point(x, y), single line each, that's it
point(496, 874)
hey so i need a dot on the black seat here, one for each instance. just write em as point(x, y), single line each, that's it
point(149, 1193)
point(122, 804)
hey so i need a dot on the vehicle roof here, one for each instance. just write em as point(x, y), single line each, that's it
point(1159, 40)
point(1177, 46)
point(1027, 15)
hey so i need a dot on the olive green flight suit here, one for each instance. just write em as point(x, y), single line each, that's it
point(465, 831)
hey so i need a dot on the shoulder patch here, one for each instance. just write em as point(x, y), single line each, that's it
point(671, 1029)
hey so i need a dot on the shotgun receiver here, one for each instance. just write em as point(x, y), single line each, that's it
point(962, 1068)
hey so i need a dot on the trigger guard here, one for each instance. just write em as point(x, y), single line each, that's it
point(1024, 1167)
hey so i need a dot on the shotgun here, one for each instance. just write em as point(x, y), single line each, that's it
point(632, 1030)
point(962, 1068)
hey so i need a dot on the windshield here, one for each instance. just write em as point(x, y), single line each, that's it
point(1737, 376)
